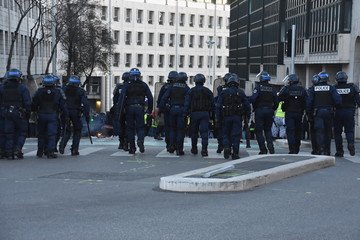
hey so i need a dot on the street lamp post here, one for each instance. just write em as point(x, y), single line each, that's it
point(209, 42)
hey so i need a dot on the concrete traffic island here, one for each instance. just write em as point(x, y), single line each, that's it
point(246, 173)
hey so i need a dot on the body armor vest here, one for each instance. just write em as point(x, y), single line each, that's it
point(178, 93)
point(48, 101)
point(265, 98)
point(135, 91)
point(73, 99)
point(322, 96)
point(11, 96)
point(347, 98)
point(232, 103)
point(200, 100)
point(295, 101)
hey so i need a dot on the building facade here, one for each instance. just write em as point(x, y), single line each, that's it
point(159, 36)
point(327, 39)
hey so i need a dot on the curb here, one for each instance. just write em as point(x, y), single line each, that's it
point(183, 183)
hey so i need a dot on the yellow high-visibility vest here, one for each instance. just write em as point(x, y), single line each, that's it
point(279, 111)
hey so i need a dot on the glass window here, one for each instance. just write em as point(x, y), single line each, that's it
point(128, 14)
point(116, 14)
point(139, 17)
point(150, 60)
point(103, 13)
point(150, 17)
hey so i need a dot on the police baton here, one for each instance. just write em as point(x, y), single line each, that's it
point(247, 131)
point(88, 130)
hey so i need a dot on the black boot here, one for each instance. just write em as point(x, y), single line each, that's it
point(171, 148)
point(180, 150)
point(220, 148)
point(2, 154)
point(9, 156)
point(351, 148)
point(141, 146)
point(74, 151)
point(227, 152)
point(291, 149)
point(204, 151)
point(62, 147)
point(263, 151)
point(19, 154)
point(270, 146)
point(126, 146)
point(39, 153)
point(339, 151)
point(51, 155)
point(235, 156)
point(121, 145)
point(132, 149)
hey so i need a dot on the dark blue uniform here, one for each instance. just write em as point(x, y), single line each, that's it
point(2, 133)
point(47, 103)
point(344, 116)
point(199, 103)
point(231, 105)
point(294, 97)
point(219, 128)
point(15, 106)
point(77, 104)
point(264, 100)
point(175, 97)
point(166, 111)
point(321, 103)
point(119, 126)
point(132, 97)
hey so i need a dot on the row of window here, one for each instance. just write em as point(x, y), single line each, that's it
point(12, 5)
point(161, 18)
point(22, 45)
point(171, 39)
point(128, 57)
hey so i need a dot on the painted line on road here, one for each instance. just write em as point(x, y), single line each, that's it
point(87, 151)
point(165, 154)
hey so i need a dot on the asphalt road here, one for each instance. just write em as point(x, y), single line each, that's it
point(108, 194)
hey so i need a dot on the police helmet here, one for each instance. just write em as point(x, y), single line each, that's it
point(57, 80)
point(172, 76)
point(126, 76)
point(199, 78)
point(48, 81)
point(233, 81)
point(315, 79)
point(323, 77)
point(134, 74)
point(74, 80)
point(182, 77)
point(264, 76)
point(13, 74)
point(226, 77)
point(341, 77)
point(292, 78)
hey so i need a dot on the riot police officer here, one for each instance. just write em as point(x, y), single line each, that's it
point(321, 103)
point(231, 106)
point(310, 117)
point(77, 104)
point(172, 76)
point(265, 101)
point(218, 126)
point(132, 98)
point(47, 102)
point(175, 96)
point(15, 109)
point(119, 121)
point(2, 133)
point(294, 97)
point(200, 105)
point(344, 115)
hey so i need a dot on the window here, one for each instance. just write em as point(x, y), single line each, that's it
point(218, 43)
point(151, 80)
point(171, 40)
point(128, 60)
point(139, 16)
point(94, 87)
point(116, 14)
point(201, 61)
point(227, 42)
point(116, 37)
point(201, 21)
point(139, 60)
point(139, 38)
point(128, 15)
point(161, 39)
point(191, 61)
point(150, 17)
point(211, 19)
point(150, 60)
point(171, 19)
point(150, 39)
point(171, 61)
point(191, 20)
point(128, 38)
point(201, 41)
point(116, 79)
point(191, 41)
point(116, 59)
point(182, 61)
point(218, 62)
point(219, 23)
point(182, 40)
point(227, 23)
point(161, 79)
point(161, 18)
point(103, 13)
point(182, 19)
point(161, 61)
point(227, 62)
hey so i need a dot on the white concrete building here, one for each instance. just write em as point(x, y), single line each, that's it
point(149, 37)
